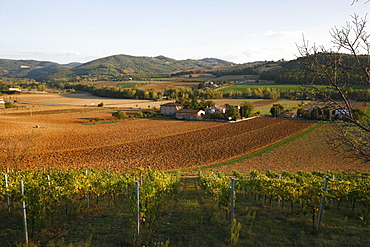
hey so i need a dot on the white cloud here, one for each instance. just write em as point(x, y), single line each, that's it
point(290, 34)
point(58, 57)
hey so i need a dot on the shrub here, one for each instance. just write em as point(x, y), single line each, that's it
point(119, 114)
point(276, 110)
point(359, 114)
point(9, 105)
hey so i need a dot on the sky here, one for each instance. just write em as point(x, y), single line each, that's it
point(239, 31)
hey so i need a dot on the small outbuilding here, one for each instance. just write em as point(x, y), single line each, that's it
point(288, 115)
point(213, 109)
point(190, 114)
point(342, 113)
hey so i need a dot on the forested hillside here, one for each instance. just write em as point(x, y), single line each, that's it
point(298, 71)
point(110, 67)
point(30, 69)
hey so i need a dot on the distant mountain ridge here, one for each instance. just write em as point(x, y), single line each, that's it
point(31, 69)
point(107, 67)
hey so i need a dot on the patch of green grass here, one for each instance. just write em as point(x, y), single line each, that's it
point(261, 151)
point(289, 105)
point(277, 226)
point(240, 102)
point(105, 122)
point(243, 87)
point(359, 86)
point(189, 220)
point(366, 119)
point(130, 84)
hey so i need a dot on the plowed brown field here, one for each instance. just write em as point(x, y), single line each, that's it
point(62, 141)
point(311, 152)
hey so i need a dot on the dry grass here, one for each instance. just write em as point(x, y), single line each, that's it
point(79, 99)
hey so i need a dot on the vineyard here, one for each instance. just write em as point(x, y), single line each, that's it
point(342, 197)
point(141, 206)
point(163, 145)
point(53, 197)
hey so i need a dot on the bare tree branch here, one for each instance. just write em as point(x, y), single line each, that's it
point(355, 1)
point(351, 55)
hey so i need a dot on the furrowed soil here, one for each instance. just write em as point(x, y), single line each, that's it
point(311, 152)
point(63, 141)
point(38, 136)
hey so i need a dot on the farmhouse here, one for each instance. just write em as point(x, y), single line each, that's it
point(288, 115)
point(190, 114)
point(170, 108)
point(213, 109)
point(341, 113)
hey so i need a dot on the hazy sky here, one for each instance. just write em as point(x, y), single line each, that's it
point(235, 30)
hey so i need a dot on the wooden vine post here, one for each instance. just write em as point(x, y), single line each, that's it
point(232, 201)
point(7, 194)
point(322, 204)
point(137, 208)
point(23, 208)
point(279, 200)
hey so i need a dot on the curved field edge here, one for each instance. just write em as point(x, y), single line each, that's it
point(258, 152)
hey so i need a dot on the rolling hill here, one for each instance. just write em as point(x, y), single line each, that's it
point(31, 69)
point(103, 68)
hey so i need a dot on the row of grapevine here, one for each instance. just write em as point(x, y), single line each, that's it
point(301, 188)
point(54, 195)
point(307, 188)
point(217, 186)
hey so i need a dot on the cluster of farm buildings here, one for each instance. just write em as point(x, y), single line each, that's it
point(178, 110)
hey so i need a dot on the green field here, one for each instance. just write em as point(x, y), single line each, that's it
point(289, 105)
point(243, 87)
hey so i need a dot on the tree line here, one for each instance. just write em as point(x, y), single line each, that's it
point(305, 93)
point(299, 71)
